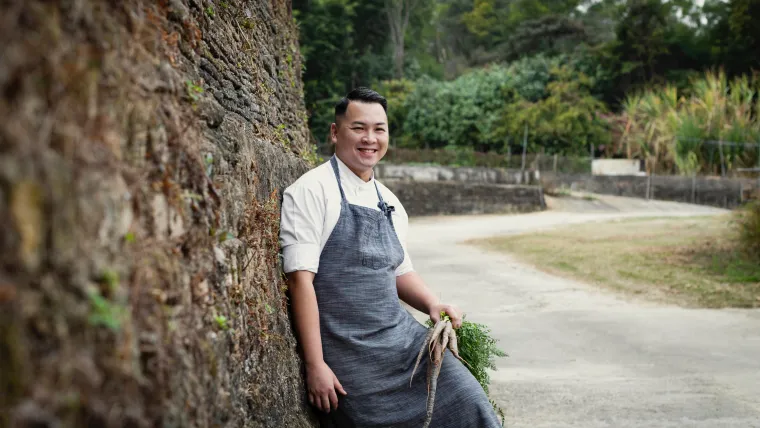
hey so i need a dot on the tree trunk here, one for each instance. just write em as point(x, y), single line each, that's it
point(398, 13)
point(143, 149)
point(398, 60)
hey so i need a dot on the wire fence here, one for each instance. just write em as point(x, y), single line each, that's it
point(720, 158)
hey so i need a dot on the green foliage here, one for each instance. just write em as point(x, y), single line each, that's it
point(104, 312)
point(222, 322)
point(735, 36)
point(459, 113)
point(449, 156)
point(493, 21)
point(110, 279)
point(208, 161)
point(748, 226)
point(396, 92)
point(476, 72)
point(549, 35)
point(478, 348)
point(193, 90)
point(487, 109)
point(248, 24)
point(311, 156)
point(340, 51)
point(669, 129)
point(566, 121)
point(279, 135)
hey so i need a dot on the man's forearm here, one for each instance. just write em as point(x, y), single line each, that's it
point(306, 314)
point(413, 290)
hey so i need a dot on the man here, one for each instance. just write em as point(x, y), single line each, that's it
point(343, 238)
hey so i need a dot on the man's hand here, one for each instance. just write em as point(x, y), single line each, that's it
point(322, 385)
point(451, 310)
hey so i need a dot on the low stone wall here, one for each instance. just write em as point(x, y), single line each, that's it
point(711, 191)
point(422, 198)
point(717, 192)
point(449, 173)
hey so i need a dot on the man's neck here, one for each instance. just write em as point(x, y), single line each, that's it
point(365, 175)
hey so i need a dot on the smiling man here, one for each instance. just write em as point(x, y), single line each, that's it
point(343, 239)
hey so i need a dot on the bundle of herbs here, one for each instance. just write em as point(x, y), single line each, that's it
point(471, 343)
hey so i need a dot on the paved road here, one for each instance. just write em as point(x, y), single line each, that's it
point(581, 356)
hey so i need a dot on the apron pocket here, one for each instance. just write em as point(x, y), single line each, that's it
point(374, 252)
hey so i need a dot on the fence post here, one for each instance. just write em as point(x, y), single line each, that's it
point(722, 165)
point(555, 163)
point(525, 147)
point(694, 188)
point(649, 184)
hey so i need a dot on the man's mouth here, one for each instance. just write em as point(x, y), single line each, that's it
point(368, 150)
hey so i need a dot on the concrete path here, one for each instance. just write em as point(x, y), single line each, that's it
point(584, 357)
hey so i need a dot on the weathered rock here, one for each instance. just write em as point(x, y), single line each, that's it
point(142, 159)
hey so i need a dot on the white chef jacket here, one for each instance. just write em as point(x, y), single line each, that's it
point(311, 208)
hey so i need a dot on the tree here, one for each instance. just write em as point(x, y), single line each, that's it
point(398, 13)
point(741, 41)
point(565, 122)
point(550, 35)
point(642, 38)
point(495, 22)
point(340, 52)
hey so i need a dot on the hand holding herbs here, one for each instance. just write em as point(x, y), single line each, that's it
point(476, 346)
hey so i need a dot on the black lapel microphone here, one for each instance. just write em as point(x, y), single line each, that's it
point(387, 209)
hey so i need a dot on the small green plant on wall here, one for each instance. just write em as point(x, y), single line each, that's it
point(311, 156)
point(222, 322)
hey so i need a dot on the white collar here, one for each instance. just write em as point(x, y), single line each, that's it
point(350, 178)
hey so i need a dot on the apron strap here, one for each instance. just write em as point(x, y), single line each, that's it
point(384, 207)
point(334, 163)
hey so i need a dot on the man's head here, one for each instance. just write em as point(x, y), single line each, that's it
point(360, 131)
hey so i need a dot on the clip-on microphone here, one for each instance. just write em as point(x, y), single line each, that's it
point(387, 209)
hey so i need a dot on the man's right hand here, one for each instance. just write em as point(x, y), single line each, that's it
point(322, 385)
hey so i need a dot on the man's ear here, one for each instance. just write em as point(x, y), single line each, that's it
point(334, 133)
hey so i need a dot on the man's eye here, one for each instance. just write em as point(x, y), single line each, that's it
point(380, 130)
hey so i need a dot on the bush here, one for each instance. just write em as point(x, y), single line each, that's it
point(749, 229)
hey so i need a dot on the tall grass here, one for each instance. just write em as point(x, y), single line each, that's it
point(671, 130)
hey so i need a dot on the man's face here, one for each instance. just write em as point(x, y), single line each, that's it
point(361, 137)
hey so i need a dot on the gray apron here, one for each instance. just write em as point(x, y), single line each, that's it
point(371, 342)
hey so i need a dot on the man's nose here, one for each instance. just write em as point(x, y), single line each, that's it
point(370, 138)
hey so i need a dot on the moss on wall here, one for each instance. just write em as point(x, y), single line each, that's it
point(143, 149)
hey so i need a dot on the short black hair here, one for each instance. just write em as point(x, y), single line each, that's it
point(360, 94)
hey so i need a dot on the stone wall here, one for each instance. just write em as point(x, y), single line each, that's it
point(422, 198)
point(143, 150)
point(386, 171)
point(713, 191)
point(717, 192)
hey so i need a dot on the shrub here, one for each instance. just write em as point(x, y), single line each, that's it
point(748, 225)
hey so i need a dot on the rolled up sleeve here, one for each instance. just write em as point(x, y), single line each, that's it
point(301, 224)
point(405, 266)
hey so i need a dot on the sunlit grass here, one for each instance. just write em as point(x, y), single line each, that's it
point(689, 261)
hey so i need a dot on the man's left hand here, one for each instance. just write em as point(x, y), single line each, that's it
point(451, 310)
